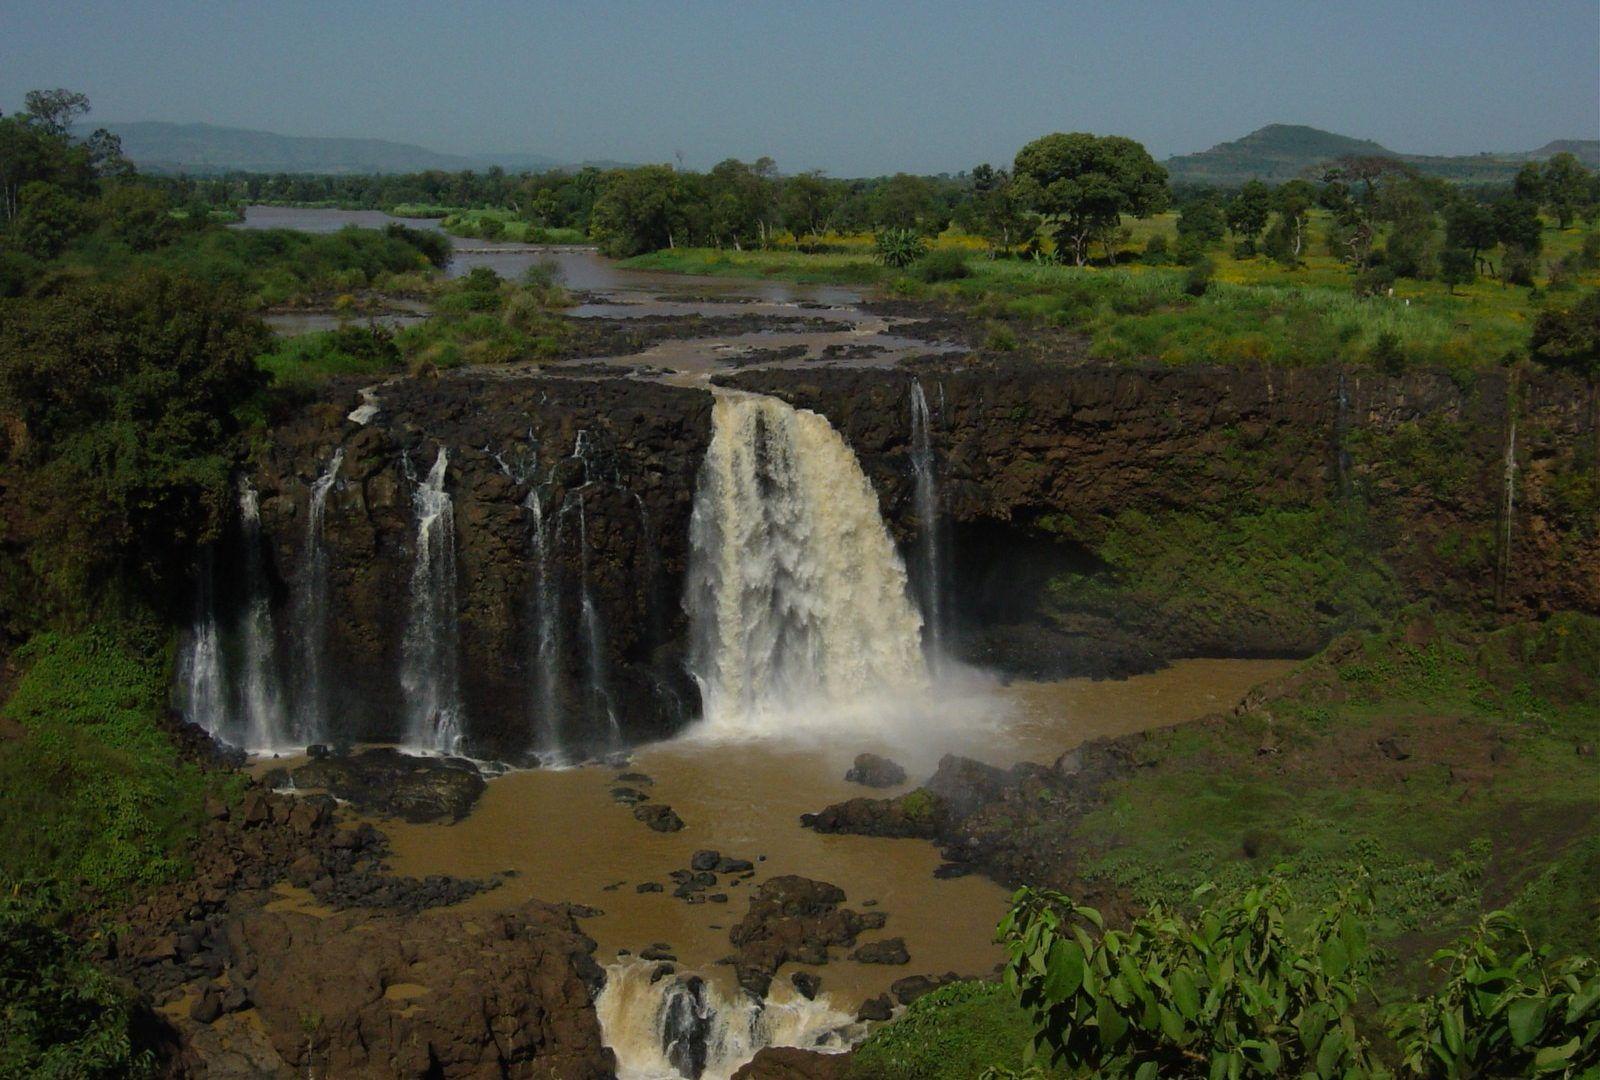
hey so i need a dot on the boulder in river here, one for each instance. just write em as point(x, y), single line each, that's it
point(888, 951)
point(658, 816)
point(390, 783)
point(875, 771)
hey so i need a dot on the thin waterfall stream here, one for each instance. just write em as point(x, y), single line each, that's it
point(430, 672)
point(311, 612)
point(261, 699)
point(925, 493)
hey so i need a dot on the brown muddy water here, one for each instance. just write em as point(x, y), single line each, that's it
point(568, 840)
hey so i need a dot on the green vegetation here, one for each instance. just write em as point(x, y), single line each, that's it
point(60, 1016)
point(1308, 573)
point(1436, 759)
point(506, 225)
point(302, 362)
point(483, 319)
point(1252, 986)
point(1237, 990)
point(952, 1033)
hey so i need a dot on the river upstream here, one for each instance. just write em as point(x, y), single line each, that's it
point(809, 649)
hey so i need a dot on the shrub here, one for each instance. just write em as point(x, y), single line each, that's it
point(1000, 338)
point(1503, 1011)
point(899, 248)
point(1518, 266)
point(943, 265)
point(1155, 250)
point(1387, 354)
point(1234, 990)
point(1245, 249)
point(60, 1016)
point(1197, 280)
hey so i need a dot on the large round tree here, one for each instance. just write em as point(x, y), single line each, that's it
point(1084, 183)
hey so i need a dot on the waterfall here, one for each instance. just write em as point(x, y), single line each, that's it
point(202, 691)
point(926, 499)
point(311, 612)
point(547, 644)
point(1508, 511)
point(430, 664)
point(598, 690)
point(684, 1026)
point(796, 596)
point(260, 699)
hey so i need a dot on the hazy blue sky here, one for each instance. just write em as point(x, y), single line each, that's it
point(853, 88)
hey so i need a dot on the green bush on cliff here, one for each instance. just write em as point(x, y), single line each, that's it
point(95, 795)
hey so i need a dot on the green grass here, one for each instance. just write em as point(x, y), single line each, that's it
point(1496, 808)
point(95, 796)
point(506, 225)
point(306, 360)
point(953, 1033)
point(1257, 310)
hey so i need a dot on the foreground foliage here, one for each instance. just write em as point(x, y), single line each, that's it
point(1250, 986)
point(60, 1016)
point(1235, 991)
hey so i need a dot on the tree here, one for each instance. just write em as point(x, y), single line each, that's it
point(1084, 183)
point(1247, 211)
point(1293, 201)
point(140, 217)
point(47, 218)
point(1457, 266)
point(806, 203)
point(1566, 188)
point(1517, 225)
point(993, 210)
point(905, 202)
point(642, 210)
point(55, 111)
point(1470, 226)
point(1528, 184)
point(1202, 222)
point(1569, 339)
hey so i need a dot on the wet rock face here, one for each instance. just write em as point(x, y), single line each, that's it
point(792, 918)
point(871, 770)
point(613, 466)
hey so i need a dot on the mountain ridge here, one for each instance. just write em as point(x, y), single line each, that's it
point(1279, 152)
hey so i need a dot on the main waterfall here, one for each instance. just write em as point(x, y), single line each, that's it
point(797, 598)
point(431, 672)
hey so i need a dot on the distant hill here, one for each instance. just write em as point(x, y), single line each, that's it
point(1280, 152)
point(157, 146)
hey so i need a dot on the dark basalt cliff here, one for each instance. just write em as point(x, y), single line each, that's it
point(1038, 462)
point(614, 462)
point(1036, 465)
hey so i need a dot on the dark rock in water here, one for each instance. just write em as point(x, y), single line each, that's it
point(946, 871)
point(628, 796)
point(705, 860)
point(317, 751)
point(735, 866)
point(390, 783)
point(657, 951)
point(635, 778)
point(661, 972)
point(888, 951)
point(875, 771)
point(717, 898)
point(791, 918)
point(613, 887)
point(879, 1008)
point(807, 983)
point(658, 816)
point(912, 987)
point(686, 1026)
point(649, 886)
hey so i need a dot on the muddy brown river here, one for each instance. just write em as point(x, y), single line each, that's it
point(567, 840)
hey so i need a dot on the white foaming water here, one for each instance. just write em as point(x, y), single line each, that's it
point(430, 670)
point(265, 724)
point(547, 642)
point(683, 1026)
point(926, 499)
point(801, 624)
point(311, 614)
point(202, 691)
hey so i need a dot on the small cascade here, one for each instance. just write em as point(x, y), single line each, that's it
point(311, 612)
point(598, 689)
point(547, 643)
point(260, 685)
point(682, 1026)
point(926, 499)
point(202, 690)
point(796, 596)
point(430, 665)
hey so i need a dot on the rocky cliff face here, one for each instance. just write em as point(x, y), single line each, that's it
point(1041, 466)
point(1042, 473)
point(613, 464)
